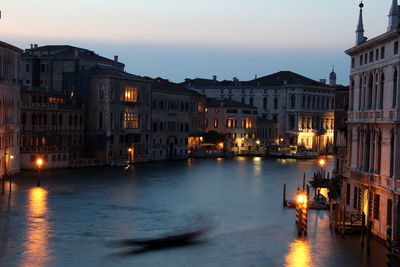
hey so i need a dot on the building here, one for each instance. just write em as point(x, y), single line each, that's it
point(177, 114)
point(79, 108)
point(340, 128)
point(372, 173)
point(267, 131)
point(118, 115)
point(235, 121)
point(10, 76)
point(303, 107)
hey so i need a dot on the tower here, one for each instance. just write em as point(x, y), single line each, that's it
point(360, 27)
point(393, 16)
point(332, 77)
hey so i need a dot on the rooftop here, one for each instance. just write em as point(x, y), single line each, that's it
point(165, 86)
point(226, 103)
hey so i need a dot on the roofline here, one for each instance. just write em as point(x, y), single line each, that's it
point(378, 39)
point(139, 79)
point(9, 46)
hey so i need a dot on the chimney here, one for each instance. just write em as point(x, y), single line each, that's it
point(35, 46)
point(116, 58)
point(31, 46)
point(255, 77)
point(323, 81)
point(214, 78)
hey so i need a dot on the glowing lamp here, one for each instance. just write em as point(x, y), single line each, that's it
point(322, 162)
point(39, 163)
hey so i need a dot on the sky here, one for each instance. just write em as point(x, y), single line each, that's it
point(178, 39)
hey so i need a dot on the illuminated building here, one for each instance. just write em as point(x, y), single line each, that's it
point(118, 113)
point(10, 60)
point(177, 120)
point(372, 171)
point(303, 107)
point(235, 121)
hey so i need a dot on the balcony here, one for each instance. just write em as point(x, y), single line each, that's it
point(371, 116)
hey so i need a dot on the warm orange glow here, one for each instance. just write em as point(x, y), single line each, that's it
point(299, 255)
point(39, 162)
point(129, 149)
point(321, 162)
point(36, 245)
point(130, 94)
point(258, 142)
point(301, 199)
point(220, 145)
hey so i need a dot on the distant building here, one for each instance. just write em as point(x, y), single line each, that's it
point(234, 120)
point(177, 114)
point(10, 62)
point(267, 131)
point(118, 114)
point(372, 170)
point(74, 100)
point(303, 107)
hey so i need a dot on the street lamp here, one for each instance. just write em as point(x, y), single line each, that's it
point(130, 154)
point(39, 165)
point(322, 164)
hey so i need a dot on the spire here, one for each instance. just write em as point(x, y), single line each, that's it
point(360, 27)
point(332, 77)
point(393, 16)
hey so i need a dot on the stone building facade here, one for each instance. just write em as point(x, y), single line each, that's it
point(340, 128)
point(234, 120)
point(10, 76)
point(303, 107)
point(372, 173)
point(177, 114)
point(118, 115)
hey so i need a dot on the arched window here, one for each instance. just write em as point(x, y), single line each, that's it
point(44, 119)
point(396, 48)
point(155, 127)
point(382, 83)
point(360, 85)
point(161, 127)
point(186, 127)
point(81, 120)
point(70, 119)
point(275, 103)
point(395, 80)
point(265, 102)
point(251, 101)
point(53, 119)
point(60, 119)
point(243, 100)
point(181, 127)
point(293, 101)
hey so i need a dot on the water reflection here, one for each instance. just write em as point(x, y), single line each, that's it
point(299, 254)
point(36, 245)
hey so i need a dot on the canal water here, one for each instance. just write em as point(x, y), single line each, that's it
point(72, 218)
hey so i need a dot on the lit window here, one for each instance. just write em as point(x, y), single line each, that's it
point(130, 94)
point(131, 121)
point(215, 123)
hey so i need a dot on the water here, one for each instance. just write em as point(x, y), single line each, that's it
point(70, 219)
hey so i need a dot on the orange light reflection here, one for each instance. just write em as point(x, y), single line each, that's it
point(299, 255)
point(36, 245)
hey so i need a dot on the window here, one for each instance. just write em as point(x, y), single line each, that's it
point(292, 122)
point(394, 100)
point(100, 120)
point(389, 212)
point(231, 123)
point(275, 103)
point(243, 100)
point(355, 198)
point(396, 48)
point(23, 118)
point(275, 117)
point(377, 199)
point(382, 52)
point(265, 102)
point(131, 121)
point(353, 61)
point(130, 94)
point(27, 68)
point(376, 54)
point(101, 94)
point(293, 101)
point(348, 193)
point(251, 101)
point(43, 67)
point(361, 60)
point(371, 56)
point(215, 123)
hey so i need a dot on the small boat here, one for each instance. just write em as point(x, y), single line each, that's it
point(165, 241)
point(123, 163)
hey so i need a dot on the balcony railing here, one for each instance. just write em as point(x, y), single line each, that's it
point(372, 116)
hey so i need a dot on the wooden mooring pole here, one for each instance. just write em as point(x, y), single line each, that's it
point(362, 229)
point(284, 196)
point(369, 229)
point(389, 247)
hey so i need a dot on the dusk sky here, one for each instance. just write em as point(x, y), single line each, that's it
point(179, 39)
